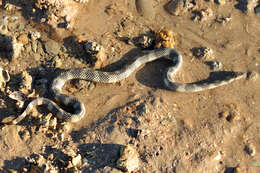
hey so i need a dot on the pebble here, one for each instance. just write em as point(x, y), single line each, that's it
point(16, 48)
point(66, 127)
point(129, 159)
point(146, 8)
point(25, 135)
point(35, 35)
point(92, 47)
point(53, 123)
point(76, 161)
point(214, 65)
point(223, 20)
point(19, 97)
point(52, 47)
point(51, 157)
point(165, 38)
point(250, 149)
point(58, 62)
point(253, 76)
point(26, 84)
point(202, 52)
point(97, 52)
point(175, 7)
point(144, 41)
point(4, 78)
point(203, 15)
point(34, 46)
point(23, 38)
point(3, 30)
point(91, 86)
point(46, 120)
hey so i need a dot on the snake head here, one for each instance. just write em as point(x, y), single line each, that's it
point(175, 57)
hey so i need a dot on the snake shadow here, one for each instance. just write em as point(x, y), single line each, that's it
point(152, 74)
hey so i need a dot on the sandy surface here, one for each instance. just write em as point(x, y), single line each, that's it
point(210, 131)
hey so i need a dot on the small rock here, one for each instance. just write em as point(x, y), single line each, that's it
point(76, 161)
point(53, 123)
point(250, 149)
point(52, 47)
point(214, 65)
point(97, 52)
point(91, 86)
point(144, 41)
point(35, 35)
point(9, 7)
point(253, 76)
point(58, 62)
point(166, 38)
point(66, 127)
point(61, 136)
point(26, 84)
point(25, 135)
point(203, 15)
point(23, 38)
point(34, 46)
point(17, 49)
point(92, 47)
point(129, 159)
point(51, 157)
point(46, 120)
point(4, 78)
point(175, 7)
point(71, 152)
point(19, 97)
point(202, 53)
point(101, 59)
point(2, 104)
point(223, 20)
point(3, 30)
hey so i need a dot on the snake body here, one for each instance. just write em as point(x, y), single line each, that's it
point(112, 77)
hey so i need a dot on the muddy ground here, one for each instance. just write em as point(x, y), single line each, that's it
point(211, 131)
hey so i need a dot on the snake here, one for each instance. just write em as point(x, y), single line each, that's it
point(78, 107)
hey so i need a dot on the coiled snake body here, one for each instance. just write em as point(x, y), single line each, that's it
point(111, 77)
